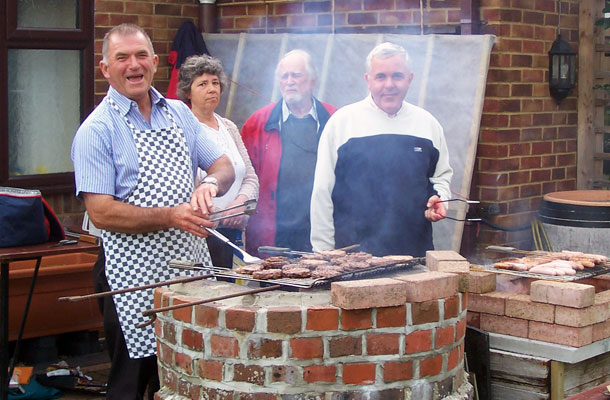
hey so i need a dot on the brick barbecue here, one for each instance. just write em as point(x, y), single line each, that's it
point(388, 338)
point(567, 313)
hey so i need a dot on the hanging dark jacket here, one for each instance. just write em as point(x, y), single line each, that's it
point(188, 42)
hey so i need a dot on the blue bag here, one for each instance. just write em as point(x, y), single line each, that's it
point(26, 219)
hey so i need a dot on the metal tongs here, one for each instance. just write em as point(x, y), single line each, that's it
point(248, 259)
point(466, 201)
point(250, 209)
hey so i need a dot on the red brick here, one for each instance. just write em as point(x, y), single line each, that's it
point(184, 362)
point(264, 348)
point(505, 325)
point(223, 346)
point(322, 319)
point(599, 312)
point(490, 303)
point(601, 331)
point(368, 293)
point(169, 379)
point(345, 346)
point(454, 358)
point(444, 336)
point(284, 319)
point(254, 374)
point(567, 294)
point(434, 257)
point(282, 373)
point(464, 301)
point(576, 337)
point(391, 317)
point(206, 315)
point(210, 370)
point(431, 366)
point(359, 374)
point(356, 319)
point(158, 296)
point(481, 282)
point(185, 313)
point(166, 354)
point(192, 339)
point(397, 371)
point(522, 306)
point(425, 312)
point(452, 307)
point(382, 343)
point(473, 319)
point(169, 332)
point(240, 318)
point(320, 373)
point(212, 393)
point(189, 389)
point(307, 348)
point(418, 341)
point(460, 329)
point(429, 285)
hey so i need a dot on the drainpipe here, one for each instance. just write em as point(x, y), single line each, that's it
point(207, 16)
point(469, 17)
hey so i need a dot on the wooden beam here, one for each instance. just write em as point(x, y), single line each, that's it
point(586, 146)
point(557, 380)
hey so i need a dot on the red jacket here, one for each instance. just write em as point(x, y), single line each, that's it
point(261, 137)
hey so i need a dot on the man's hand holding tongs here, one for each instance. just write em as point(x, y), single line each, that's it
point(435, 210)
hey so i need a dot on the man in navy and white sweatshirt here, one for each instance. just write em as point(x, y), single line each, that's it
point(382, 167)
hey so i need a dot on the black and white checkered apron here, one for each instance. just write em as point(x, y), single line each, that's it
point(165, 179)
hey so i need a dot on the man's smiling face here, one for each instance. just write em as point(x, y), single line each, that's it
point(131, 65)
point(388, 81)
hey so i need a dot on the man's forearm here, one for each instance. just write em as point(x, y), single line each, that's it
point(127, 218)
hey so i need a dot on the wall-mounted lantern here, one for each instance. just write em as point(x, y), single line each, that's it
point(562, 69)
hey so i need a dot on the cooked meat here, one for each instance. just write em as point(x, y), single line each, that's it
point(355, 265)
point(331, 254)
point(514, 266)
point(249, 269)
point(312, 263)
point(268, 274)
point(544, 270)
point(296, 272)
point(275, 262)
point(313, 256)
point(398, 258)
point(379, 261)
point(585, 262)
point(327, 271)
point(352, 257)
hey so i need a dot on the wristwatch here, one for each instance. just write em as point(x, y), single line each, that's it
point(211, 180)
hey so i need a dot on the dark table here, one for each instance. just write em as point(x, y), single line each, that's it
point(7, 255)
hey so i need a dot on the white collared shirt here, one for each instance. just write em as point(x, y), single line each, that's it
point(313, 112)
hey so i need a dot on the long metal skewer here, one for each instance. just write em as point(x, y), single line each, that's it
point(153, 312)
point(133, 289)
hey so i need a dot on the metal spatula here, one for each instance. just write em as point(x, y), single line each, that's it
point(248, 259)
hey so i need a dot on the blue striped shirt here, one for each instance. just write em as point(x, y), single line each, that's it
point(104, 152)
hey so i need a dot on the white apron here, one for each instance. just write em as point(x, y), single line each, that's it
point(165, 179)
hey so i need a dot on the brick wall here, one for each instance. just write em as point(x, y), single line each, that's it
point(527, 144)
point(350, 16)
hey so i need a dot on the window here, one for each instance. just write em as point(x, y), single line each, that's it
point(46, 89)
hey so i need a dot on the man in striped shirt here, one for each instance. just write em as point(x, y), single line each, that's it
point(134, 161)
